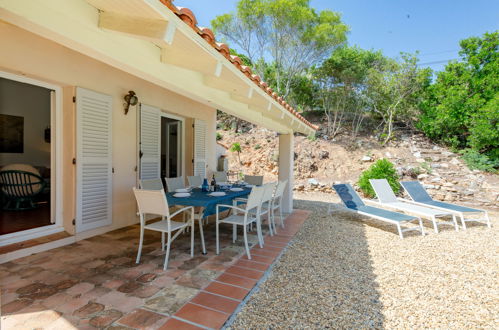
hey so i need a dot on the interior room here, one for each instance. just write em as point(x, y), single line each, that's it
point(25, 156)
point(171, 148)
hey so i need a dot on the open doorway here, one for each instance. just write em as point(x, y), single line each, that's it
point(25, 156)
point(171, 147)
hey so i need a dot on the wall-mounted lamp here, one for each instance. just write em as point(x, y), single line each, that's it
point(130, 99)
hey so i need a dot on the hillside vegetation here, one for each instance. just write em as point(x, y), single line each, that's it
point(303, 55)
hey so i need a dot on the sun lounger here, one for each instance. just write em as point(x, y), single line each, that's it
point(420, 197)
point(354, 203)
point(387, 198)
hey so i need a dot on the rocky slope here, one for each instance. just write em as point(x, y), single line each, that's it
point(320, 163)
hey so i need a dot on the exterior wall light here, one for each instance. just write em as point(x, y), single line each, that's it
point(130, 99)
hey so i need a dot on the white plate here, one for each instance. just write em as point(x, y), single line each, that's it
point(236, 189)
point(217, 194)
point(181, 194)
point(223, 183)
point(249, 185)
point(182, 190)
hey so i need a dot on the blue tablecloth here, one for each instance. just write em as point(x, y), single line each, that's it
point(202, 199)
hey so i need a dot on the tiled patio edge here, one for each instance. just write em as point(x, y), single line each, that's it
point(217, 305)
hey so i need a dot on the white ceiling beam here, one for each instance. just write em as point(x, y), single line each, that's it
point(170, 33)
point(218, 69)
point(136, 26)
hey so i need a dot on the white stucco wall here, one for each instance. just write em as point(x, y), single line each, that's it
point(24, 53)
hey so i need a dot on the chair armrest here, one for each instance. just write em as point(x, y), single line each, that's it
point(230, 207)
point(182, 210)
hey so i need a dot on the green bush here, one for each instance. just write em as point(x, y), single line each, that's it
point(381, 169)
point(219, 136)
point(478, 161)
point(258, 147)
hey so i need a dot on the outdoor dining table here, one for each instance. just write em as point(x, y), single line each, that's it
point(206, 203)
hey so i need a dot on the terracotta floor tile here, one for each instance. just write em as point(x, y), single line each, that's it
point(247, 283)
point(142, 319)
point(261, 259)
point(227, 290)
point(252, 265)
point(275, 244)
point(202, 315)
point(218, 303)
point(264, 252)
point(174, 324)
point(268, 247)
point(244, 272)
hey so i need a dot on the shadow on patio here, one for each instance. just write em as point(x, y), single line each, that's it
point(95, 283)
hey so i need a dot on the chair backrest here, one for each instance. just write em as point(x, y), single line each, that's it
point(279, 191)
point(257, 180)
point(416, 191)
point(221, 176)
point(383, 190)
point(151, 184)
point(151, 202)
point(255, 198)
point(173, 184)
point(268, 191)
point(348, 196)
point(195, 181)
point(20, 184)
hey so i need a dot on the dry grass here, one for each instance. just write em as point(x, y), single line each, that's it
point(342, 271)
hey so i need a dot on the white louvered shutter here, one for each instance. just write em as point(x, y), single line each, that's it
point(150, 142)
point(93, 159)
point(200, 148)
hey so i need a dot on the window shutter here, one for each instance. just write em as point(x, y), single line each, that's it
point(150, 145)
point(200, 148)
point(94, 159)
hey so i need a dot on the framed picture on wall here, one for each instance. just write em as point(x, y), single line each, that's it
point(11, 134)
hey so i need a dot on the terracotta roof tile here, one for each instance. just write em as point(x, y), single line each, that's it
point(188, 17)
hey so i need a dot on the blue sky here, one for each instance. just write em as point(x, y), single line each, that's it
point(434, 27)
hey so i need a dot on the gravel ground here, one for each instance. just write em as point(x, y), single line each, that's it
point(344, 272)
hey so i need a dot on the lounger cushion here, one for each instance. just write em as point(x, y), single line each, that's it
point(419, 194)
point(394, 216)
point(348, 196)
point(416, 191)
point(457, 208)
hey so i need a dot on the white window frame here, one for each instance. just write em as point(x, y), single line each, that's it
point(182, 142)
point(56, 166)
point(163, 113)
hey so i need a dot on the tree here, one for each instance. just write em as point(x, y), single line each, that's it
point(287, 33)
point(341, 81)
point(236, 147)
point(393, 91)
point(462, 107)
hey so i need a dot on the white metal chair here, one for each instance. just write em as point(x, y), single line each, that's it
point(195, 181)
point(221, 176)
point(277, 201)
point(256, 180)
point(243, 217)
point(267, 205)
point(151, 184)
point(173, 184)
point(266, 208)
point(154, 202)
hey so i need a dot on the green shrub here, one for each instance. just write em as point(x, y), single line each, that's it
point(381, 169)
point(478, 161)
point(219, 136)
point(258, 147)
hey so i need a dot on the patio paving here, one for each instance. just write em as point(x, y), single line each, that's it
point(95, 283)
